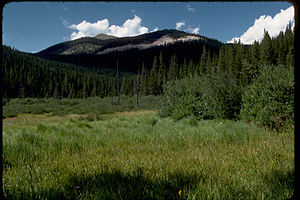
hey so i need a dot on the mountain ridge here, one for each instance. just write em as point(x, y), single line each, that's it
point(102, 36)
point(93, 45)
point(131, 52)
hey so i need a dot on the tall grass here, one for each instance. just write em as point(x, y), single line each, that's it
point(137, 155)
point(91, 105)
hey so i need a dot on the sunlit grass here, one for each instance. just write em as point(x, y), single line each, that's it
point(137, 155)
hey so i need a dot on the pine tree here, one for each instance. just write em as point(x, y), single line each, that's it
point(289, 43)
point(118, 83)
point(238, 58)
point(160, 74)
point(266, 49)
point(290, 57)
point(173, 69)
point(208, 65)
point(221, 58)
point(123, 86)
point(203, 59)
point(280, 50)
point(137, 89)
point(191, 67)
point(144, 81)
point(183, 69)
point(229, 57)
point(255, 54)
point(153, 78)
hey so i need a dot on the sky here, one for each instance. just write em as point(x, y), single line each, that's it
point(34, 26)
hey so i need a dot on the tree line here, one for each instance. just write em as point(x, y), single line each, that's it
point(26, 75)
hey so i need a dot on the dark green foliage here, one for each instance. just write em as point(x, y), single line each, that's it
point(183, 98)
point(222, 95)
point(266, 49)
point(26, 75)
point(205, 82)
point(131, 59)
point(270, 99)
point(216, 89)
point(215, 95)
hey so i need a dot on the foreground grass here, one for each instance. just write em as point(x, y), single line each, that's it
point(137, 155)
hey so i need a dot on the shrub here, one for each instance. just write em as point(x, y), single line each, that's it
point(91, 105)
point(215, 95)
point(182, 98)
point(222, 94)
point(269, 100)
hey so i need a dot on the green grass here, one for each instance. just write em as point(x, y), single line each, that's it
point(94, 106)
point(138, 155)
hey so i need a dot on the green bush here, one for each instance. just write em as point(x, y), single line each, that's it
point(222, 94)
point(269, 100)
point(91, 105)
point(215, 95)
point(183, 98)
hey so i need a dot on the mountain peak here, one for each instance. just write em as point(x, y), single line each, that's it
point(103, 36)
point(103, 43)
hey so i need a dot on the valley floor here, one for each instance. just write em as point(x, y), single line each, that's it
point(138, 155)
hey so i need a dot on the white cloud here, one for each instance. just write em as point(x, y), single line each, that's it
point(179, 24)
point(192, 30)
point(130, 27)
point(65, 23)
point(189, 29)
point(155, 29)
point(272, 25)
point(189, 8)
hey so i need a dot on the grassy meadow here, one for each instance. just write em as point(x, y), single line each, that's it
point(139, 155)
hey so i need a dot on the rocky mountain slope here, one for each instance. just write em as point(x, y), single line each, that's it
point(103, 50)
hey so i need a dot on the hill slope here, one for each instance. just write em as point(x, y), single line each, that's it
point(132, 52)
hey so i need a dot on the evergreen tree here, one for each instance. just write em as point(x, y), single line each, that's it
point(255, 54)
point(123, 86)
point(239, 56)
point(153, 78)
point(290, 59)
point(173, 69)
point(266, 49)
point(191, 67)
point(279, 48)
point(221, 58)
point(203, 59)
point(144, 81)
point(161, 75)
point(137, 90)
point(229, 57)
point(183, 69)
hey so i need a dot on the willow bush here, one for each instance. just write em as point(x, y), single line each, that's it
point(269, 100)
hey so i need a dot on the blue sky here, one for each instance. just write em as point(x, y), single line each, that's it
point(34, 26)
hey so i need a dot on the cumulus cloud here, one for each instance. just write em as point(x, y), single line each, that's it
point(190, 29)
point(272, 25)
point(189, 8)
point(180, 24)
point(130, 27)
point(155, 29)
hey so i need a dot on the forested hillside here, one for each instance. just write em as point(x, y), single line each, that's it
point(26, 75)
point(131, 52)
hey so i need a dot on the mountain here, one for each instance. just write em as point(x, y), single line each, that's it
point(85, 45)
point(131, 52)
point(102, 43)
point(102, 36)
